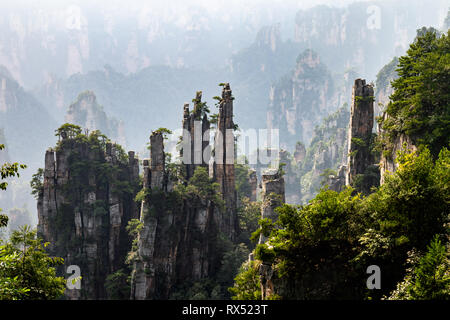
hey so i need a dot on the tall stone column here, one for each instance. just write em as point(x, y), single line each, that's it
point(223, 168)
point(360, 130)
point(195, 128)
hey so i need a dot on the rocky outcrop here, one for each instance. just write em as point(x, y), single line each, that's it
point(253, 182)
point(84, 206)
point(299, 100)
point(360, 131)
point(362, 35)
point(337, 182)
point(223, 167)
point(327, 151)
point(300, 152)
point(292, 180)
point(383, 88)
point(196, 128)
point(388, 164)
point(88, 113)
point(273, 195)
point(179, 242)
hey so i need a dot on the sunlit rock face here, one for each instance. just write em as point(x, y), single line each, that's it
point(83, 214)
point(180, 239)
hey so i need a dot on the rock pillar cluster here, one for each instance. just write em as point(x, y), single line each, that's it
point(83, 210)
point(196, 129)
point(178, 242)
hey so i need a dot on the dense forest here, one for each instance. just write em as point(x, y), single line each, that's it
point(353, 206)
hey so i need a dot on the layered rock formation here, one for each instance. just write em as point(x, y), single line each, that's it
point(383, 92)
point(327, 151)
point(223, 167)
point(84, 206)
point(388, 164)
point(299, 100)
point(273, 195)
point(360, 133)
point(293, 190)
point(196, 130)
point(182, 227)
point(253, 182)
point(383, 88)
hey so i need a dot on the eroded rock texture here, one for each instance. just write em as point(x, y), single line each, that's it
point(85, 204)
point(178, 243)
point(223, 168)
point(273, 195)
point(196, 126)
point(360, 170)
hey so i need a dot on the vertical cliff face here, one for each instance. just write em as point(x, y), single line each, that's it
point(383, 88)
point(223, 167)
point(300, 99)
point(327, 151)
point(383, 92)
point(196, 126)
point(388, 157)
point(273, 195)
point(84, 206)
point(186, 212)
point(360, 136)
point(292, 180)
point(154, 267)
point(253, 182)
point(88, 113)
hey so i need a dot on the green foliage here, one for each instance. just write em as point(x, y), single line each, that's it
point(37, 183)
point(247, 283)
point(68, 130)
point(248, 214)
point(133, 228)
point(327, 244)
point(26, 272)
point(7, 170)
point(325, 174)
point(419, 106)
point(200, 189)
point(243, 187)
point(163, 131)
point(214, 118)
point(367, 99)
point(117, 285)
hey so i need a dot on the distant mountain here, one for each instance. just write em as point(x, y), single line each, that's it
point(364, 35)
point(303, 97)
point(28, 126)
point(143, 101)
point(42, 40)
point(255, 68)
point(88, 114)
